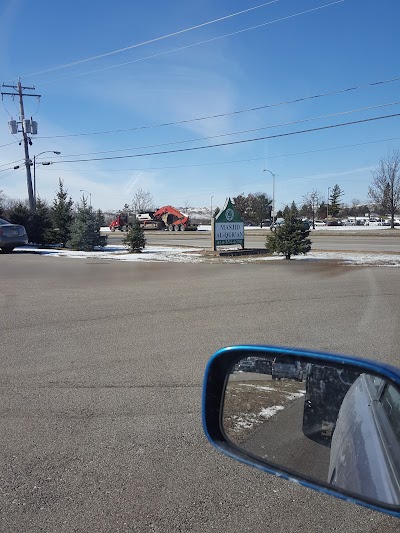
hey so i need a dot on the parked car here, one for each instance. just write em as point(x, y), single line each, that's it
point(11, 235)
point(287, 369)
point(246, 366)
point(369, 422)
point(388, 222)
point(280, 221)
point(263, 366)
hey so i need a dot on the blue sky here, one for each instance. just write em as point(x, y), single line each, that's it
point(302, 49)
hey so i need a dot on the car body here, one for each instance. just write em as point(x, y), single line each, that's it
point(278, 222)
point(334, 222)
point(246, 366)
point(388, 222)
point(11, 236)
point(287, 369)
point(369, 422)
point(263, 366)
point(281, 221)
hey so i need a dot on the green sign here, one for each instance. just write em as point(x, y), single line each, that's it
point(228, 227)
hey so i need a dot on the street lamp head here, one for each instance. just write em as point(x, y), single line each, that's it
point(270, 171)
point(57, 153)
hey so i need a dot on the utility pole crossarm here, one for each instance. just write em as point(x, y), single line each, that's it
point(16, 94)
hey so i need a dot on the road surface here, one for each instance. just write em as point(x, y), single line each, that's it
point(100, 390)
point(325, 242)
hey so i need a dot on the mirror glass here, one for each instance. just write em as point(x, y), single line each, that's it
point(330, 423)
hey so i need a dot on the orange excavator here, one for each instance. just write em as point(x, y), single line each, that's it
point(166, 217)
point(172, 218)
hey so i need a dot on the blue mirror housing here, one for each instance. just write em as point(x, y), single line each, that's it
point(361, 391)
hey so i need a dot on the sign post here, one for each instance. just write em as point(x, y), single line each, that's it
point(228, 227)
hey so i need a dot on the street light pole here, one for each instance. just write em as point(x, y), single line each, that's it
point(273, 193)
point(211, 207)
point(34, 169)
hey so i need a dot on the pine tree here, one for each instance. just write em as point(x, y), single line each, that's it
point(85, 230)
point(135, 240)
point(290, 238)
point(334, 203)
point(20, 214)
point(40, 223)
point(61, 216)
point(36, 222)
point(100, 220)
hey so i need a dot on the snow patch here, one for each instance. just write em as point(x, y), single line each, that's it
point(268, 412)
point(195, 255)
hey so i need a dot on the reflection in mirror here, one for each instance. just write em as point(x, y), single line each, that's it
point(326, 422)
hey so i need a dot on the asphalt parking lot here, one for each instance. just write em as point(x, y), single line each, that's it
point(102, 366)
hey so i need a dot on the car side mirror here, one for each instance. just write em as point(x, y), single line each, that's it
point(328, 422)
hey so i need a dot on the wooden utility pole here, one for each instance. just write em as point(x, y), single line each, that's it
point(26, 139)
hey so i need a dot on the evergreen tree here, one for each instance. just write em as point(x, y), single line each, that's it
point(253, 208)
point(135, 240)
point(242, 206)
point(290, 211)
point(37, 223)
point(20, 214)
point(285, 212)
point(61, 216)
point(290, 238)
point(100, 220)
point(294, 210)
point(41, 225)
point(85, 230)
point(260, 207)
point(334, 204)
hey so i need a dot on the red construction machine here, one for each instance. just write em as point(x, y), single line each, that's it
point(166, 217)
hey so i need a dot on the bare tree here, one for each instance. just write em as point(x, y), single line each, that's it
point(2, 202)
point(313, 200)
point(7, 204)
point(385, 188)
point(142, 201)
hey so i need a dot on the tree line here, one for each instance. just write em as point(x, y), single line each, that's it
point(62, 223)
point(384, 194)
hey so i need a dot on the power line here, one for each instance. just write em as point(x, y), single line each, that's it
point(195, 44)
point(11, 171)
point(238, 132)
point(243, 141)
point(235, 160)
point(12, 162)
point(8, 144)
point(150, 41)
point(237, 112)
